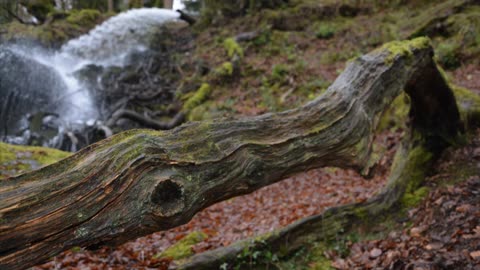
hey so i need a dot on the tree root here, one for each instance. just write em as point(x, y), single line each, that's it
point(145, 121)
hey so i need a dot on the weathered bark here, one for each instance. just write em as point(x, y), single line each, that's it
point(110, 5)
point(143, 181)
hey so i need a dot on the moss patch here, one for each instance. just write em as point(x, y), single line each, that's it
point(325, 31)
point(395, 116)
point(58, 28)
point(233, 48)
point(318, 259)
point(183, 248)
point(15, 159)
point(197, 98)
point(404, 48)
point(412, 199)
point(225, 69)
point(83, 17)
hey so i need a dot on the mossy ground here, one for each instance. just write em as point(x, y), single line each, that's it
point(58, 28)
point(284, 68)
point(454, 166)
point(15, 159)
point(183, 248)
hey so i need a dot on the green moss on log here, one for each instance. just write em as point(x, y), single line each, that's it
point(468, 104)
point(413, 172)
point(404, 48)
point(394, 117)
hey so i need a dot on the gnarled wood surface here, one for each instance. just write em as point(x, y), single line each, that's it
point(142, 181)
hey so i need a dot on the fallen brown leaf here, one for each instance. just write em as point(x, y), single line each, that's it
point(475, 254)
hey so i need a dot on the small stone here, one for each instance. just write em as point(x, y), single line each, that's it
point(416, 231)
point(375, 253)
point(432, 246)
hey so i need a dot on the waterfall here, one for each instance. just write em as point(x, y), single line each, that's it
point(108, 44)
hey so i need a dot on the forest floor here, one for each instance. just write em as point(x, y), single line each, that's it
point(443, 232)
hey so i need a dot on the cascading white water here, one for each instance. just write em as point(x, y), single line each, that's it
point(109, 43)
point(75, 103)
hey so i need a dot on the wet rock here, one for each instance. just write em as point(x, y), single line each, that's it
point(26, 88)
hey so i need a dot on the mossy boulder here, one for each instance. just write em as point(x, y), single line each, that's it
point(454, 27)
point(58, 28)
point(462, 41)
point(39, 8)
point(84, 17)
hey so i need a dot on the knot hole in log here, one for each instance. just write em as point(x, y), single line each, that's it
point(168, 195)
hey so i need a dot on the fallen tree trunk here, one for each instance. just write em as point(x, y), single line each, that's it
point(142, 181)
